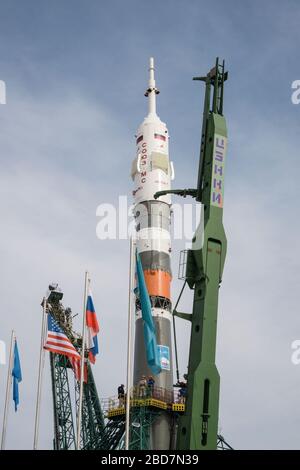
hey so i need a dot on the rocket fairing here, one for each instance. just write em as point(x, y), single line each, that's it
point(152, 171)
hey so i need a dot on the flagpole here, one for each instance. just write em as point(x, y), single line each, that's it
point(86, 285)
point(8, 389)
point(129, 342)
point(40, 377)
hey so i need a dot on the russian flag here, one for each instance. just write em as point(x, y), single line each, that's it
point(92, 329)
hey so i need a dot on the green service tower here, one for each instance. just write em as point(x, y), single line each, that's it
point(205, 262)
point(198, 426)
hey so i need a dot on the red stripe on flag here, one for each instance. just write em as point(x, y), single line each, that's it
point(77, 370)
point(92, 358)
point(91, 321)
point(65, 346)
point(58, 337)
point(63, 353)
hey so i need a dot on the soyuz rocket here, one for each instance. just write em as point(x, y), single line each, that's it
point(152, 171)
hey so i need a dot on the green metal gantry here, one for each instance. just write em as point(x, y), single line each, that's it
point(64, 434)
point(92, 423)
point(64, 430)
point(198, 425)
point(141, 420)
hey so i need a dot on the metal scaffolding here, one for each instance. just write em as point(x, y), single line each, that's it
point(92, 423)
point(64, 434)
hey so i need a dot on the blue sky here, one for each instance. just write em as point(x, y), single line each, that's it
point(75, 73)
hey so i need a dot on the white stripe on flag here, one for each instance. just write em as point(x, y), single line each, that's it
point(63, 335)
point(59, 348)
point(60, 341)
point(90, 341)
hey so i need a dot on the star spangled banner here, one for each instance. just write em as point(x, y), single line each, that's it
point(58, 342)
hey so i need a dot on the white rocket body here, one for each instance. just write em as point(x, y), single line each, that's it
point(152, 171)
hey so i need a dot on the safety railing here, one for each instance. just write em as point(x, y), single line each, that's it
point(139, 393)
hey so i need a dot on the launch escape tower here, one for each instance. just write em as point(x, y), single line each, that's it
point(92, 418)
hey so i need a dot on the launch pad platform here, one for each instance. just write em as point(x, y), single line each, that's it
point(160, 399)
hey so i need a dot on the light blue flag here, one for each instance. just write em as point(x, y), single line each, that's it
point(17, 376)
point(149, 326)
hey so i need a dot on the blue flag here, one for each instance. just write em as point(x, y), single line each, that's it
point(149, 326)
point(17, 376)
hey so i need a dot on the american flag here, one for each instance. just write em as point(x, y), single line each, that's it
point(58, 342)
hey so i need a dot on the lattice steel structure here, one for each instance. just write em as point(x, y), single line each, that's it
point(143, 413)
point(64, 433)
point(92, 424)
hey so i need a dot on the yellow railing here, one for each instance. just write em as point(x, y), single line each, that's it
point(144, 396)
